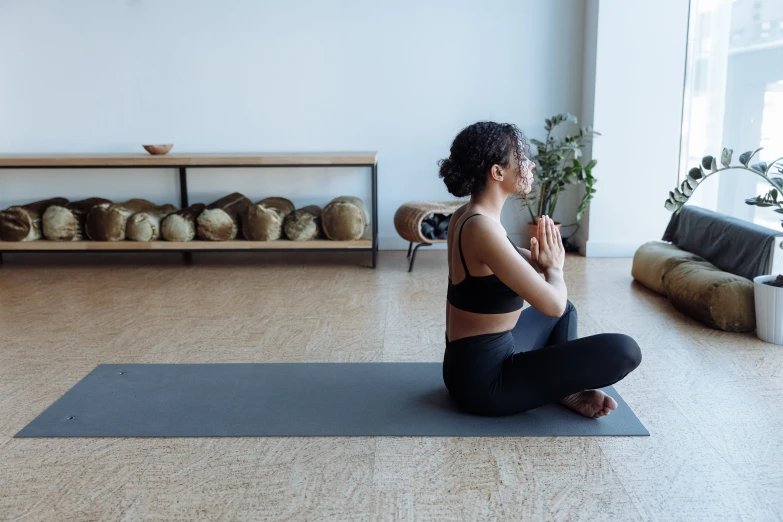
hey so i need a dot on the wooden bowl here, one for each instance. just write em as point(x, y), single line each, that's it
point(158, 149)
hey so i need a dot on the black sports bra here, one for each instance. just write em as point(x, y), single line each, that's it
point(482, 294)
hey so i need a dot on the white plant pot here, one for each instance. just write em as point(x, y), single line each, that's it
point(769, 309)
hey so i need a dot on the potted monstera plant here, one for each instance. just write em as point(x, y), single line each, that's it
point(767, 289)
point(557, 165)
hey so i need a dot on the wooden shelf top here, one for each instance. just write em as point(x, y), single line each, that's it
point(188, 160)
point(46, 245)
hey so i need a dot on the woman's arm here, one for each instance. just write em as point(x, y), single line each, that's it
point(526, 254)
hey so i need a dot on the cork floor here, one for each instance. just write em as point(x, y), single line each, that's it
point(712, 401)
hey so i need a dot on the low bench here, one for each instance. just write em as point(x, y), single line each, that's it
point(408, 219)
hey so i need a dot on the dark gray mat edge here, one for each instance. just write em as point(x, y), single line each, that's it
point(326, 400)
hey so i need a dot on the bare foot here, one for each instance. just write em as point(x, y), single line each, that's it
point(590, 403)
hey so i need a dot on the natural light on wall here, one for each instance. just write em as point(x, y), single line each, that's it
point(733, 98)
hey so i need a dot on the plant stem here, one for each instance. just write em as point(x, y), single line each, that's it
point(541, 200)
point(540, 208)
point(759, 174)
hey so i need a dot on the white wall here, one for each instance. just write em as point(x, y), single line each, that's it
point(399, 77)
point(588, 115)
point(639, 75)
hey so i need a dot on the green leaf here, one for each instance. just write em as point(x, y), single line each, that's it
point(679, 197)
point(774, 194)
point(750, 201)
point(760, 167)
point(745, 157)
point(557, 165)
point(669, 205)
point(695, 173)
point(714, 165)
point(779, 210)
point(761, 202)
point(753, 154)
point(686, 188)
point(725, 156)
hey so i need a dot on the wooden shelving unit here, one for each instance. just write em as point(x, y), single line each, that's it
point(369, 243)
point(266, 159)
point(239, 244)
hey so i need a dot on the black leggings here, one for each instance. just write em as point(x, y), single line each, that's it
point(538, 362)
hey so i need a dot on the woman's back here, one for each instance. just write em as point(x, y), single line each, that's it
point(478, 301)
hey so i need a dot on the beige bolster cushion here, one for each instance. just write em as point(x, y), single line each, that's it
point(145, 226)
point(716, 298)
point(66, 223)
point(304, 224)
point(181, 225)
point(23, 223)
point(345, 218)
point(220, 221)
point(108, 221)
point(263, 221)
point(652, 260)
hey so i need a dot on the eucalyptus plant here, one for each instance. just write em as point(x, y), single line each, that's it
point(709, 167)
point(557, 165)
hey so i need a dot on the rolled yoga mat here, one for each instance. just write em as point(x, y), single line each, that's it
point(294, 399)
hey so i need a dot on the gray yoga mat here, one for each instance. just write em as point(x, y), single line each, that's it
point(293, 399)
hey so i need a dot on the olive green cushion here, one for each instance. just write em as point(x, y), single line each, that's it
point(345, 218)
point(696, 287)
point(652, 260)
point(716, 298)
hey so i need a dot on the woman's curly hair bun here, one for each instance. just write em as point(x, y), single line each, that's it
point(473, 152)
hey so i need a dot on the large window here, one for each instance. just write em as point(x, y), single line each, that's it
point(734, 98)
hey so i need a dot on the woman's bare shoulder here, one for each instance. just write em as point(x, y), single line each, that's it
point(456, 215)
point(452, 223)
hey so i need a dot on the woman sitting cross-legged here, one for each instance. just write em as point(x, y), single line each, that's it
point(500, 360)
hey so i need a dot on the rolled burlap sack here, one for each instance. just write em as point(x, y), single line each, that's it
point(23, 223)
